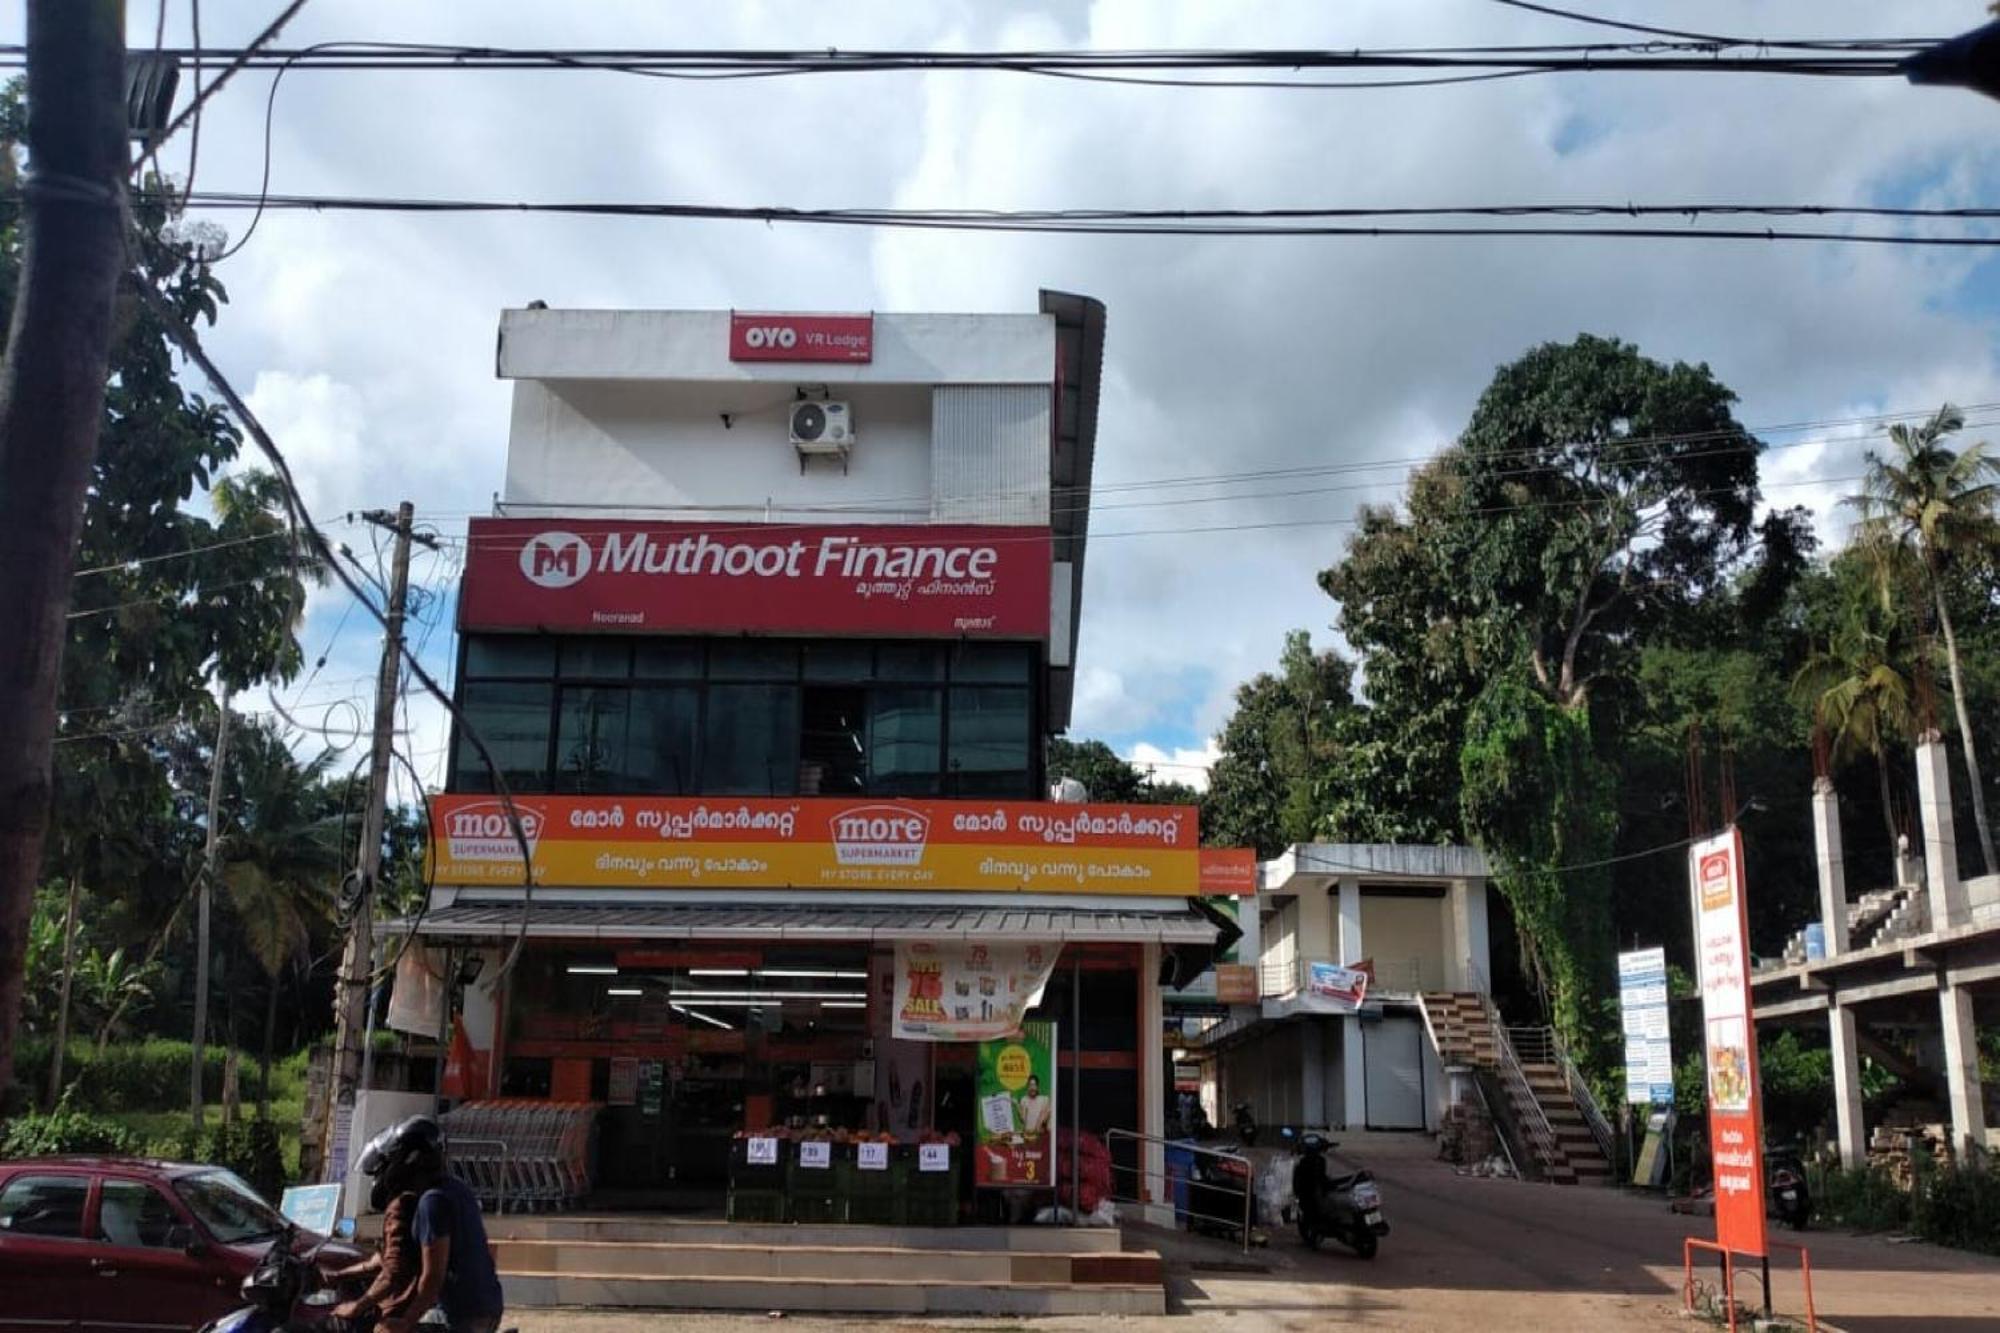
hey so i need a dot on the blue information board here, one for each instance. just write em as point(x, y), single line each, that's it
point(314, 1207)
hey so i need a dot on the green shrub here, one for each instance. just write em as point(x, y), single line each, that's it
point(150, 1075)
point(251, 1147)
point(65, 1130)
point(1957, 1205)
point(1863, 1200)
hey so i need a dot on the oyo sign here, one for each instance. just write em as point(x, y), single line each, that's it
point(769, 337)
point(948, 580)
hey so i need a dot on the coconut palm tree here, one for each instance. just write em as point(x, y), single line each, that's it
point(1924, 508)
point(1860, 701)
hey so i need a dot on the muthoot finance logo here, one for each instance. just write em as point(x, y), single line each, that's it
point(880, 835)
point(555, 559)
point(482, 832)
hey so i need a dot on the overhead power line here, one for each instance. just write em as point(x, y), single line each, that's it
point(1274, 222)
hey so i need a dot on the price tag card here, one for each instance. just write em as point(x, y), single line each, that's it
point(763, 1152)
point(934, 1157)
point(873, 1157)
point(816, 1153)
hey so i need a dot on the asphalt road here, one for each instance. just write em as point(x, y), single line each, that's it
point(1467, 1253)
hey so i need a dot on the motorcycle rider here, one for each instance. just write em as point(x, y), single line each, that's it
point(399, 1263)
point(455, 1269)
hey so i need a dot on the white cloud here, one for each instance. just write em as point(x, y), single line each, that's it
point(1189, 766)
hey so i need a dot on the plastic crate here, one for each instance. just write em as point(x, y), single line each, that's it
point(816, 1208)
point(755, 1205)
point(931, 1198)
point(930, 1212)
point(815, 1190)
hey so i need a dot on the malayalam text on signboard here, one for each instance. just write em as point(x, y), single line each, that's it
point(755, 578)
point(819, 842)
point(1735, 1119)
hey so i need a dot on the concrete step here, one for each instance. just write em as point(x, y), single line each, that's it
point(869, 1295)
point(622, 1259)
point(644, 1228)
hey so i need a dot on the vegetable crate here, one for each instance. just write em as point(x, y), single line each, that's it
point(758, 1205)
point(930, 1198)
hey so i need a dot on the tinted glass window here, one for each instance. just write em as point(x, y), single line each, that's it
point(1000, 663)
point(591, 735)
point(596, 659)
point(833, 749)
point(660, 741)
point(510, 655)
point(839, 661)
point(905, 729)
point(909, 661)
point(230, 1209)
point(667, 661)
point(513, 720)
point(753, 659)
point(44, 1206)
point(750, 740)
point(989, 741)
point(134, 1214)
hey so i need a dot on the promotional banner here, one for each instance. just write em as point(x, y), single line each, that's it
point(819, 843)
point(755, 578)
point(959, 991)
point(1017, 1109)
point(1334, 988)
point(1642, 1007)
point(1735, 1117)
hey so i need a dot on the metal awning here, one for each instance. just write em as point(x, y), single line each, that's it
point(692, 921)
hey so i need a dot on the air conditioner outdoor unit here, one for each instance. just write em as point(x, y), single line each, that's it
point(822, 427)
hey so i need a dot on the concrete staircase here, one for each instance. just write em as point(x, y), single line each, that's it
point(1880, 916)
point(662, 1263)
point(1461, 1028)
point(1582, 1161)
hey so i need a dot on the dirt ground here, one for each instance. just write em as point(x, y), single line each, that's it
point(1466, 1253)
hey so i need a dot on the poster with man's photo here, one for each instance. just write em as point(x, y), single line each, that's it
point(1017, 1109)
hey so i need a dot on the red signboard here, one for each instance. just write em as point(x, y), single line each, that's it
point(1729, 1042)
point(773, 337)
point(1229, 871)
point(769, 578)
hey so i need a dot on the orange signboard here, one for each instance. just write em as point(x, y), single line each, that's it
point(1735, 1116)
point(1230, 871)
point(820, 843)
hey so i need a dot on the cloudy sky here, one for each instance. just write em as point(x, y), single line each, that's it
point(367, 342)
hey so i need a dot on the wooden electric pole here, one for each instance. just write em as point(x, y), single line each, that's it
point(211, 866)
point(358, 961)
point(51, 404)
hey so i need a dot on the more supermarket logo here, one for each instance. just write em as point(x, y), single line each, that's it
point(483, 832)
point(880, 835)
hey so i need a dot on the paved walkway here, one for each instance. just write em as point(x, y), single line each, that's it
point(1475, 1254)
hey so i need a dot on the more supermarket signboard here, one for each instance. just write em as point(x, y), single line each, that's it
point(821, 843)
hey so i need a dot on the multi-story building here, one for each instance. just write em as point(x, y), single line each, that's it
point(765, 638)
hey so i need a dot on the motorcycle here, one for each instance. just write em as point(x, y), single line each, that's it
point(284, 1293)
point(1787, 1197)
point(1246, 1124)
point(1347, 1208)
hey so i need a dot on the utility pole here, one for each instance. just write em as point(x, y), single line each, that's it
point(51, 406)
point(358, 961)
point(204, 892)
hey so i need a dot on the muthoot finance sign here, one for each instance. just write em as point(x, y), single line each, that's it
point(756, 578)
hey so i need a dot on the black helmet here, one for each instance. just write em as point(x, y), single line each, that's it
point(402, 1157)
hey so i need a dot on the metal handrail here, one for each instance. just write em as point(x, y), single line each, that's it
point(1140, 1141)
point(1536, 1045)
point(1586, 1102)
point(1280, 977)
point(499, 1181)
point(1527, 1106)
point(1499, 1136)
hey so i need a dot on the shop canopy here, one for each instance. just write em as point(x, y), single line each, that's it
point(791, 923)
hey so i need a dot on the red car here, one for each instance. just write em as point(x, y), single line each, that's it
point(110, 1243)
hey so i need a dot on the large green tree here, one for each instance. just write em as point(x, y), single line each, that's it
point(1267, 789)
point(1926, 509)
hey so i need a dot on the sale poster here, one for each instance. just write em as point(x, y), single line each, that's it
point(1735, 1119)
point(1017, 1109)
point(953, 991)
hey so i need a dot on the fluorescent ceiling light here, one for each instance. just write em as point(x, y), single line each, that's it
point(706, 1018)
point(718, 971)
point(591, 970)
point(806, 974)
point(770, 996)
point(843, 1004)
point(624, 991)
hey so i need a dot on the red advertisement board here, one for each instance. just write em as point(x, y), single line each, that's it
point(1729, 1041)
point(755, 336)
point(770, 578)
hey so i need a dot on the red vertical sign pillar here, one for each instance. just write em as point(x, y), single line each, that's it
point(1729, 1041)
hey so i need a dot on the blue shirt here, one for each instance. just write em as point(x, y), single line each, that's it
point(450, 1211)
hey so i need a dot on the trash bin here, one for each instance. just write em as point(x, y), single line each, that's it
point(1180, 1169)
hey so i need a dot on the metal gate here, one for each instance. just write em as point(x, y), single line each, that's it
point(1393, 1062)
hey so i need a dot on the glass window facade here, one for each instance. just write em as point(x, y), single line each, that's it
point(751, 717)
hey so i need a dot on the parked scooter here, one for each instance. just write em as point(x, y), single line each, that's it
point(1347, 1208)
point(1786, 1196)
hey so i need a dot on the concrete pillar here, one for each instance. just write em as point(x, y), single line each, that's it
point(1851, 1132)
point(1349, 948)
point(1832, 871)
point(1316, 924)
point(1467, 968)
point(1353, 1075)
point(1153, 1079)
point(1312, 1073)
point(1961, 1069)
point(1250, 920)
point(1947, 891)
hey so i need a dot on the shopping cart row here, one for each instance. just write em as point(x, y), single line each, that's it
point(522, 1156)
